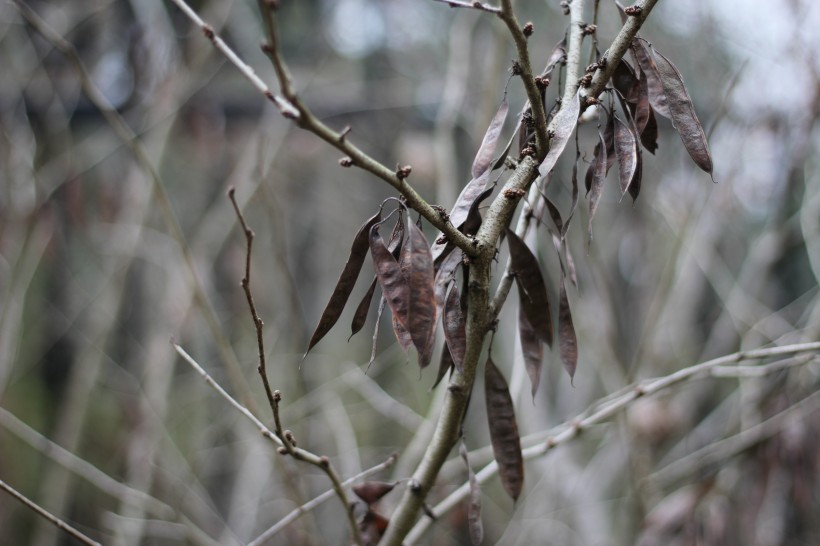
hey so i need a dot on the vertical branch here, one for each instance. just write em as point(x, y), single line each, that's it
point(286, 437)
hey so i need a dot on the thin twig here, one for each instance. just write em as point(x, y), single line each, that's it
point(292, 107)
point(275, 397)
point(471, 5)
point(60, 524)
point(312, 504)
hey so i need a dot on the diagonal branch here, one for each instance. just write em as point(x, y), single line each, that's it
point(42, 512)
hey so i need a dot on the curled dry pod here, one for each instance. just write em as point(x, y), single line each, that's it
point(503, 430)
point(474, 525)
point(655, 89)
point(344, 286)
point(455, 328)
point(567, 342)
point(371, 492)
point(683, 115)
point(531, 288)
point(445, 365)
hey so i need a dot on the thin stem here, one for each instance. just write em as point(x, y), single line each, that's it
point(286, 438)
point(618, 48)
point(42, 512)
point(524, 69)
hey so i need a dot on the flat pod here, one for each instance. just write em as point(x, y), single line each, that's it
point(567, 341)
point(346, 282)
point(455, 333)
point(562, 125)
point(531, 288)
point(395, 289)
point(360, 316)
point(475, 527)
point(683, 115)
point(626, 151)
point(503, 430)
point(596, 180)
point(484, 157)
point(532, 349)
point(421, 315)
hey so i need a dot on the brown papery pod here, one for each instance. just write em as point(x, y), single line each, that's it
point(649, 135)
point(503, 430)
point(372, 527)
point(596, 180)
point(484, 157)
point(567, 342)
point(474, 525)
point(532, 350)
point(562, 126)
point(394, 285)
point(371, 492)
point(445, 365)
point(532, 291)
point(421, 314)
point(460, 210)
point(402, 335)
point(654, 85)
point(360, 316)
point(683, 116)
point(455, 328)
point(639, 99)
point(344, 286)
point(626, 150)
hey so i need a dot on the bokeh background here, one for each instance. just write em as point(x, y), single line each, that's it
point(95, 280)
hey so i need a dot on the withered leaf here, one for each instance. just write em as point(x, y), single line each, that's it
point(567, 342)
point(503, 430)
point(562, 124)
point(596, 180)
point(683, 116)
point(344, 286)
point(394, 285)
point(531, 348)
point(445, 274)
point(371, 492)
point(626, 150)
point(532, 291)
point(360, 316)
point(655, 89)
point(474, 526)
point(421, 314)
point(558, 53)
point(455, 328)
point(484, 157)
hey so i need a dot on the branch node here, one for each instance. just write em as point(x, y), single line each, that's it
point(403, 172)
point(633, 11)
point(415, 486)
point(344, 133)
point(346, 162)
point(528, 29)
point(208, 30)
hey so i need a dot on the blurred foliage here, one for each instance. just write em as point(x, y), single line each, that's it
point(93, 284)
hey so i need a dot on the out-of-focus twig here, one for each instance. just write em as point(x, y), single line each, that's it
point(600, 412)
point(317, 501)
point(57, 522)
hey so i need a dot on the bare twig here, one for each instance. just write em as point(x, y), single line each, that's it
point(317, 501)
point(274, 397)
point(60, 524)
